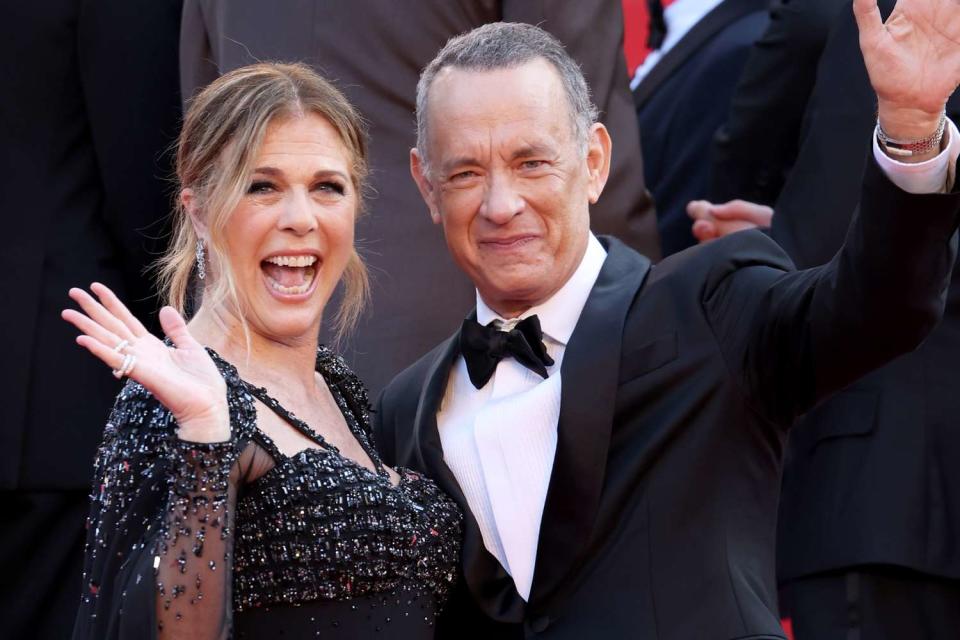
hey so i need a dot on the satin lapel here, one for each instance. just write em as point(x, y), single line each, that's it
point(590, 372)
point(427, 446)
point(492, 587)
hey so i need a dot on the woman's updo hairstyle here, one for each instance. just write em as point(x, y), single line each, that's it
point(218, 144)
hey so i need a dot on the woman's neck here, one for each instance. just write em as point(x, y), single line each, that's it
point(259, 359)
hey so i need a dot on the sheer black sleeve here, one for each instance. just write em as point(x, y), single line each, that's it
point(160, 531)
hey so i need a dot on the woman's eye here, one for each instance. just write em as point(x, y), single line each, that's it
point(331, 187)
point(260, 187)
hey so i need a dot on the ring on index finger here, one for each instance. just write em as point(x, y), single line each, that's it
point(129, 362)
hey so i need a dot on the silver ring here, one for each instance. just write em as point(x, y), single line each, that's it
point(129, 361)
point(120, 347)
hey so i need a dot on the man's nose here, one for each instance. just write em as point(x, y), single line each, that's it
point(502, 201)
point(298, 214)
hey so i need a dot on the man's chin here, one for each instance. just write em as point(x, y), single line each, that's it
point(515, 293)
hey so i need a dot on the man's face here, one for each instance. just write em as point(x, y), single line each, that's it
point(508, 180)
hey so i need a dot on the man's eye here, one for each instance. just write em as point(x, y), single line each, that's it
point(331, 187)
point(533, 164)
point(260, 187)
point(463, 175)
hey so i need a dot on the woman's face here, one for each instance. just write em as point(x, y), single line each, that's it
point(291, 236)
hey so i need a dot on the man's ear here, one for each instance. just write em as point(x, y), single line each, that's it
point(428, 192)
point(188, 198)
point(599, 148)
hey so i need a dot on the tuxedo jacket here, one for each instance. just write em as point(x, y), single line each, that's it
point(679, 384)
point(872, 475)
point(682, 102)
point(374, 51)
point(90, 104)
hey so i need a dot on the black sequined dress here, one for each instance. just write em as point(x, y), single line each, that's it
point(236, 539)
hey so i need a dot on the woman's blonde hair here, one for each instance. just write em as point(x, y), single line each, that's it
point(218, 144)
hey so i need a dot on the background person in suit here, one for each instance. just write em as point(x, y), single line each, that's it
point(374, 51)
point(871, 489)
point(627, 485)
point(91, 101)
point(682, 95)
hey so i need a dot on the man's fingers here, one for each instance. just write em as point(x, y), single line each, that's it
point(113, 304)
point(699, 209)
point(175, 328)
point(869, 20)
point(741, 210)
point(704, 231)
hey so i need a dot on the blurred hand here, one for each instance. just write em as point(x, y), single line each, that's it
point(712, 221)
point(913, 60)
point(183, 377)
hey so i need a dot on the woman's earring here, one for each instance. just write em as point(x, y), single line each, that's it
point(201, 267)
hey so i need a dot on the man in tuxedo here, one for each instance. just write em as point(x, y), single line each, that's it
point(870, 507)
point(374, 50)
point(90, 106)
point(626, 485)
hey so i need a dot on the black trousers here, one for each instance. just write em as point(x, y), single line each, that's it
point(872, 603)
point(41, 560)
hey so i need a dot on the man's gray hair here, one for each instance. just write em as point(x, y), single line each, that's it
point(507, 45)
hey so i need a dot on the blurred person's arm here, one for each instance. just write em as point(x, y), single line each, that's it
point(757, 146)
point(197, 65)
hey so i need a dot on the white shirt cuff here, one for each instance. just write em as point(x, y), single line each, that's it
point(931, 176)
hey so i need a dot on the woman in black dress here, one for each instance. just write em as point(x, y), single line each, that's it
point(237, 492)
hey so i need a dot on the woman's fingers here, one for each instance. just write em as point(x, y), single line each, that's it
point(89, 327)
point(100, 314)
point(113, 304)
point(175, 328)
point(107, 354)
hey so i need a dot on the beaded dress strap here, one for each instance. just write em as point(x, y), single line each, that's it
point(264, 396)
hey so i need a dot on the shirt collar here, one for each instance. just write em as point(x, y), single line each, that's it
point(559, 313)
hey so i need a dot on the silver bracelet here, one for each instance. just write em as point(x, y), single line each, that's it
point(908, 148)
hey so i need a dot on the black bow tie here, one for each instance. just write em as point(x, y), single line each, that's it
point(485, 346)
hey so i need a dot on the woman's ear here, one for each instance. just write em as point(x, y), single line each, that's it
point(189, 200)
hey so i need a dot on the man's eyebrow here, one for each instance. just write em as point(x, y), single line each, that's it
point(459, 161)
point(531, 150)
point(526, 151)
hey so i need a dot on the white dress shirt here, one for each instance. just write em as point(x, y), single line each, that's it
point(500, 441)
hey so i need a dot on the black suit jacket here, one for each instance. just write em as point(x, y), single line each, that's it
point(756, 147)
point(374, 51)
point(90, 103)
point(681, 103)
point(872, 475)
point(679, 383)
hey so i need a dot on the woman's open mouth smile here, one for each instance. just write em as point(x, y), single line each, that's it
point(290, 276)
